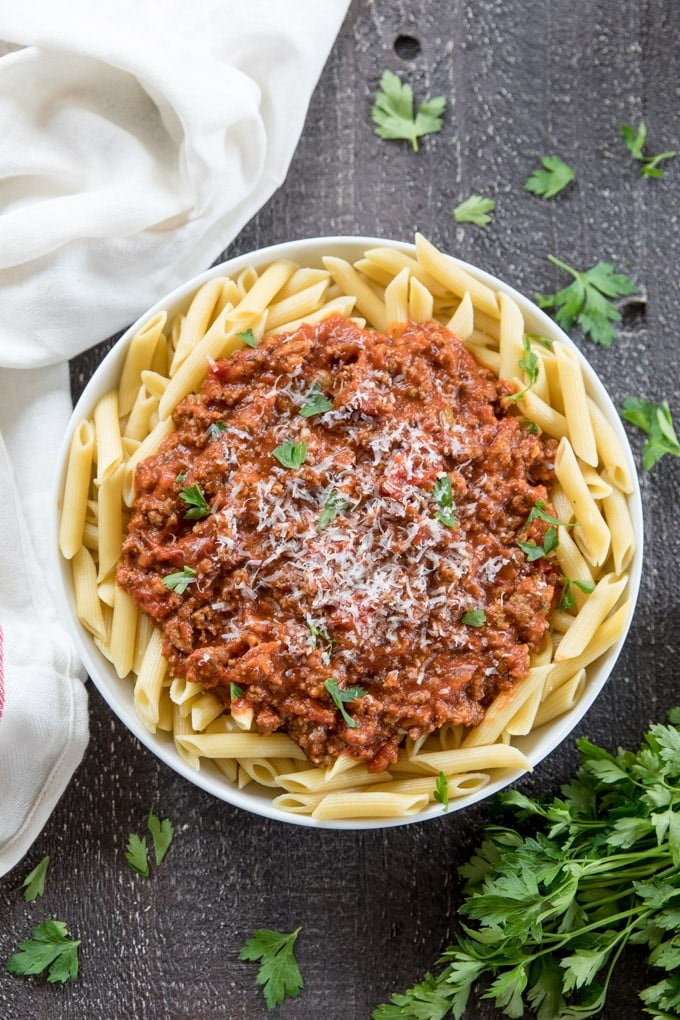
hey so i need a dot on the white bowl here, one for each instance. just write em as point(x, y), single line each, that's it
point(118, 693)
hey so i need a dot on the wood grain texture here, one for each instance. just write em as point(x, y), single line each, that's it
point(522, 79)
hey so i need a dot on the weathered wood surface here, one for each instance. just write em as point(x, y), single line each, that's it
point(523, 78)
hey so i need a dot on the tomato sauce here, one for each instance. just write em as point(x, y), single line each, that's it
point(384, 564)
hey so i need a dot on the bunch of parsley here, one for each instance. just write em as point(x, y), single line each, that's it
point(549, 914)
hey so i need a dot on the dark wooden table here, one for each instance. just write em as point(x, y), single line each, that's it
point(523, 78)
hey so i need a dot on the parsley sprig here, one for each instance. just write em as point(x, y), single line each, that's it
point(529, 365)
point(334, 504)
point(198, 506)
point(656, 421)
point(34, 883)
point(180, 580)
point(586, 301)
point(441, 791)
point(392, 112)
point(548, 912)
point(316, 402)
point(344, 697)
point(475, 209)
point(442, 495)
point(290, 454)
point(550, 178)
point(49, 949)
point(279, 973)
point(162, 832)
point(635, 143)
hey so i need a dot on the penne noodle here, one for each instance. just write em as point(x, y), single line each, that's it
point(573, 390)
point(76, 490)
point(109, 451)
point(597, 607)
point(592, 531)
point(139, 357)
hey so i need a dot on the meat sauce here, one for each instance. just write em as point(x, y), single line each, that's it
point(387, 560)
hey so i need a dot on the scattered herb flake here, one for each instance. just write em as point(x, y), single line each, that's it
point(319, 634)
point(441, 791)
point(49, 949)
point(315, 402)
point(475, 209)
point(392, 112)
point(248, 337)
point(335, 503)
point(136, 855)
point(635, 143)
point(443, 498)
point(548, 180)
point(586, 301)
point(474, 618)
point(162, 831)
point(180, 580)
point(342, 698)
point(279, 973)
point(550, 542)
point(539, 512)
point(549, 907)
point(235, 692)
point(34, 883)
point(196, 501)
point(529, 365)
point(290, 454)
point(656, 421)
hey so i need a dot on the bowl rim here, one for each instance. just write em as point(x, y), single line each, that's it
point(100, 670)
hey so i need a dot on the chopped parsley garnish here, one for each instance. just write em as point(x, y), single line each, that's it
point(392, 112)
point(539, 512)
point(315, 403)
point(342, 698)
point(50, 949)
point(216, 429)
point(530, 426)
point(475, 209)
point(335, 503)
point(180, 580)
point(635, 143)
point(443, 497)
point(567, 600)
point(553, 897)
point(529, 364)
point(196, 501)
point(656, 421)
point(34, 883)
point(441, 791)
point(474, 618)
point(235, 692)
point(548, 180)
point(586, 301)
point(290, 454)
point(319, 634)
point(279, 973)
point(545, 341)
point(248, 337)
point(535, 552)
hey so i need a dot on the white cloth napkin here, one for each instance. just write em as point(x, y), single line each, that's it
point(138, 137)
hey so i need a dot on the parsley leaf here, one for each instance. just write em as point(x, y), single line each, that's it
point(235, 692)
point(248, 337)
point(180, 580)
point(474, 209)
point(290, 454)
point(196, 501)
point(551, 179)
point(392, 112)
point(567, 600)
point(317, 634)
point(538, 512)
point(551, 540)
point(335, 503)
point(441, 791)
point(474, 618)
point(549, 906)
point(529, 365)
point(443, 497)
point(315, 403)
point(135, 854)
point(586, 300)
point(162, 831)
point(216, 429)
point(279, 973)
point(49, 949)
point(656, 421)
point(635, 143)
point(341, 698)
point(34, 883)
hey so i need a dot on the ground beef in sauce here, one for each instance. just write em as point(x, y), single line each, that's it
point(360, 564)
